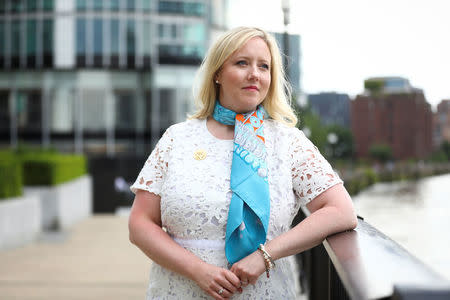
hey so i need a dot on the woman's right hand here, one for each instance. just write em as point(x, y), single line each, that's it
point(213, 279)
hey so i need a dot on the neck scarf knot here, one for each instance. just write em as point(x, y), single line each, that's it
point(249, 211)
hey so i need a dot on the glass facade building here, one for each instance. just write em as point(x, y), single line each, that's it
point(97, 76)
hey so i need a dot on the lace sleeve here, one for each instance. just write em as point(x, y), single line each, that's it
point(311, 172)
point(153, 172)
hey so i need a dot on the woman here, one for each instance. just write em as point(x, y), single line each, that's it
point(215, 200)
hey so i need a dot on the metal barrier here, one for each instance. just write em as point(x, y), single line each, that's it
point(366, 264)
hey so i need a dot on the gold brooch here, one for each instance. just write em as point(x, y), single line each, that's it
point(199, 154)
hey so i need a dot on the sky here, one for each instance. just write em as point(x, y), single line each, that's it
point(344, 42)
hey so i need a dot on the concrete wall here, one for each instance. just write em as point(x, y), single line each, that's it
point(65, 204)
point(20, 221)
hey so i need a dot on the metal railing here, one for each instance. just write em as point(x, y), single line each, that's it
point(365, 264)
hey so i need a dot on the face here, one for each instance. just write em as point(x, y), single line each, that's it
point(244, 78)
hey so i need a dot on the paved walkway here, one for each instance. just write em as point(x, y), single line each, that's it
point(95, 260)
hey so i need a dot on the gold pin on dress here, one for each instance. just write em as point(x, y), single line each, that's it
point(199, 154)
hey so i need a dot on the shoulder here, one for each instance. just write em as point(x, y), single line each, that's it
point(183, 127)
point(281, 131)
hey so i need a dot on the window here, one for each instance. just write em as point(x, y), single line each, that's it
point(131, 5)
point(31, 5)
point(98, 5)
point(47, 5)
point(81, 5)
point(2, 6)
point(194, 33)
point(173, 31)
point(81, 42)
point(161, 30)
point(15, 38)
point(17, 6)
point(98, 36)
point(146, 5)
point(186, 8)
point(115, 5)
point(81, 36)
point(47, 43)
point(167, 99)
point(131, 39)
point(115, 37)
point(93, 110)
point(147, 31)
point(125, 110)
point(31, 37)
point(29, 111)
point(2, 38)
point(4, 112)
point(31, 34)
point(47, 38)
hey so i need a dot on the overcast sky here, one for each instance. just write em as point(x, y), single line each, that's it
point(347, 41)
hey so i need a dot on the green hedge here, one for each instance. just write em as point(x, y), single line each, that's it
point(10, 176)
point(52, 169)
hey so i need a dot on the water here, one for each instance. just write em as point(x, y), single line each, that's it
point(416, 214)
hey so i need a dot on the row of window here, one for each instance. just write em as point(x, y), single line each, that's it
point(111, 36)
point(114, 5)
point(191, 8)
point(97, 37)
point(31, 39)
point(19, 6)
point(29, 106)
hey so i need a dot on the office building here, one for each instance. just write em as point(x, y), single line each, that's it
point(332, 108)
point(293, 60)
point(401, 120)
point(97, 77)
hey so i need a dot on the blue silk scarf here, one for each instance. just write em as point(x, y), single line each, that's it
point(249, 211)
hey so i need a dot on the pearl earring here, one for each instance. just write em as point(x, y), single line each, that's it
point(217, 81)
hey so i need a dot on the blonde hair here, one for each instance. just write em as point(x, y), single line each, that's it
point(277, 101)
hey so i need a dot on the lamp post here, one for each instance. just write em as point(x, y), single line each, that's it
point(286, 6)
point(332, 139)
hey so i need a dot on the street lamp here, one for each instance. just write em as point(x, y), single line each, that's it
point(332, 139)
point(307, 131)
point(286, 6)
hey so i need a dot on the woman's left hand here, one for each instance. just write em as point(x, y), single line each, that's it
point(249, 268)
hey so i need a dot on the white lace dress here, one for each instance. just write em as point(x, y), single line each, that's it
point(195, 195)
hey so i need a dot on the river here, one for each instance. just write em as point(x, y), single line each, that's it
point(416, 214)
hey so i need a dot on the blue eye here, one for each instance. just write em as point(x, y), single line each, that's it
point(265, 66)
point(241, 63)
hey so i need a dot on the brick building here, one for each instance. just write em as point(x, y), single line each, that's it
point(441, 123)
point(401, 120)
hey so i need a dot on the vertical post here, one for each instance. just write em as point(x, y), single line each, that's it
point(286, 18)
point(140, 114)
point(286, 53)
point(13, 114)
point(108, 104)
point(154, 86)
point(78, 121)
point(320, 269)
point(45, 115)
point(155, 112)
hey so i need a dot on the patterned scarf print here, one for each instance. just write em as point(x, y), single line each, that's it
point(249, 211)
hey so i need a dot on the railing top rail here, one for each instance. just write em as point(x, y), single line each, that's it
point(370, 264)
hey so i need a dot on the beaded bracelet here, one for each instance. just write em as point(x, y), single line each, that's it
point(268, 261)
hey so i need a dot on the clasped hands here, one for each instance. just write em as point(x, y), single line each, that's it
point(221, 283)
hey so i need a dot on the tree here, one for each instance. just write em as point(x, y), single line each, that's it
point(318, 132)
point(380, 152)
point(344, 148)
point(445, 147)
point(311, 125)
